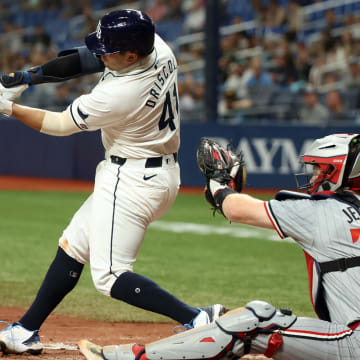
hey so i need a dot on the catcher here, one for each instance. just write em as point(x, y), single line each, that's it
point(325, 223)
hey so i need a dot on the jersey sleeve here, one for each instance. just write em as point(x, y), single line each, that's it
point(98, 110)
point(293, 218)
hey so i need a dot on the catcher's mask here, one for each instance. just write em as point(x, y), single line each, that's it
point(330, 164)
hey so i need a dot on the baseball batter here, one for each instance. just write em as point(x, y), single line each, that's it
point(136, 106)
point(325, 223)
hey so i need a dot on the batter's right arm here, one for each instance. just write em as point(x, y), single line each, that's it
point(68, 65)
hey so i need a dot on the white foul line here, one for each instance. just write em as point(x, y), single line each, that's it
point(60, 346)
point(234, 230)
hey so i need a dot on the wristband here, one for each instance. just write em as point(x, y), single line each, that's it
point(30, 77)
point(219, 192)
point(6, 106)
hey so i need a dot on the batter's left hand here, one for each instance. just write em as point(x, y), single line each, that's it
point(5, 106)
point(13, 92)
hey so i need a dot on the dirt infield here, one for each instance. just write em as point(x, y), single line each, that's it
point(60, 334)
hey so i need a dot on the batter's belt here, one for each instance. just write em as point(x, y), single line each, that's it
point(149, 162)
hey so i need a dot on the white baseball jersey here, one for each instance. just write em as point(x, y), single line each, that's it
point(138, 114)
point(137, 110)
point(326, 229)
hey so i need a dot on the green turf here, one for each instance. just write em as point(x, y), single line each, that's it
point(200, 269)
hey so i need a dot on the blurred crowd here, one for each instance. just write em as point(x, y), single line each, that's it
point(291, 63)
point(296, 65)
point(296, 73)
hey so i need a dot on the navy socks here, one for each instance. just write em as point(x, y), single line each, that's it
point(61, 278)
point(134, 289)
point(144, 293)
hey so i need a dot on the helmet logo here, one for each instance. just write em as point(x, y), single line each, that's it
point(98, 30)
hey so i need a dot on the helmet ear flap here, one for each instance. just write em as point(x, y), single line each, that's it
point(355, 171)
point(352, 168)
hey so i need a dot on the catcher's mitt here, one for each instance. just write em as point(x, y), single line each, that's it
point(222, 165)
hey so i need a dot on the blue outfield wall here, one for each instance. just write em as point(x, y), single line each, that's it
point(271, 152)
point(26, 152)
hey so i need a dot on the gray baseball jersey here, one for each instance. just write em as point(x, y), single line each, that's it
point(326, 229)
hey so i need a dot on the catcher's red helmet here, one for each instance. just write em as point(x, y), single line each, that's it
point(338, 159)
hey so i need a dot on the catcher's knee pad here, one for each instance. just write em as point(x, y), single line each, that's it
point(256, 317)
point(228, 337)
point(200, 343)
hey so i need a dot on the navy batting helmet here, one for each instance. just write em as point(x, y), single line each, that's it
point(120, 31)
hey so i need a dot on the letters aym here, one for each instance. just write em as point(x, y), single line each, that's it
point(270, 155)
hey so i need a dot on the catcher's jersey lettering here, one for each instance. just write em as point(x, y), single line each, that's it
point(162, 78)
point(351, 214)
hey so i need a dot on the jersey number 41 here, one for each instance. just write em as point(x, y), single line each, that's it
point(167, 115)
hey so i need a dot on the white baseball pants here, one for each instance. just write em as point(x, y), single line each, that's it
point(110, 226)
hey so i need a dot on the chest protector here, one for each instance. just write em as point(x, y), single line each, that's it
point(314, 268)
